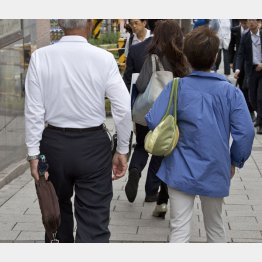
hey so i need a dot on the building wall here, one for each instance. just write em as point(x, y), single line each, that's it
point(18, 38)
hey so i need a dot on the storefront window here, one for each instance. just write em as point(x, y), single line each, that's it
point(11, 103)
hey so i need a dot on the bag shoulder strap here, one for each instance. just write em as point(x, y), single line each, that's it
point(175, 98)
point(155, 60)
point(172, 97)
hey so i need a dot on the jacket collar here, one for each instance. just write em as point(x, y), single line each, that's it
point(73, 38)
point(208, 75)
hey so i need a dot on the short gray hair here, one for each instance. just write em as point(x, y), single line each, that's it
point(72, 23)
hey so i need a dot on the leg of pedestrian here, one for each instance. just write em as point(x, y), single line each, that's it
point(213, 221)
point(181, 212)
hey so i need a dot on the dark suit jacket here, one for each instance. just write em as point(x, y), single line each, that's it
point(245, 53)
point(234, 45)
point(135, 60)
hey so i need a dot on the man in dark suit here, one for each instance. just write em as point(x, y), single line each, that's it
point(135, 60)
point(250, 54)
point(236, 33)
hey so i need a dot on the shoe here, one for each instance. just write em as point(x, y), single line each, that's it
point(256, 124)
point(160, 211)
point(259, 130)
point(132, 185)
point(151, 198)
point(253, 116)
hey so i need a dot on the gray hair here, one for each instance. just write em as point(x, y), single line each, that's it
point(68, 24)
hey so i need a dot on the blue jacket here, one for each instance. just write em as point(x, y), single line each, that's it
point(209, 110)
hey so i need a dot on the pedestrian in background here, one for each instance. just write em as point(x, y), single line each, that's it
point(140, 33)
point(236, 33)
point(223, 29)
point(167, 44)
point(64, 116)
point(200, 22)
point(250, 55)
point(209, 111)
point(135, 60)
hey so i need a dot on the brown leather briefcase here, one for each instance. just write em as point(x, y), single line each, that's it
point(48, 202)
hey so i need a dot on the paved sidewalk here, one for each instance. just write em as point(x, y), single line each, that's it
point(20, 219)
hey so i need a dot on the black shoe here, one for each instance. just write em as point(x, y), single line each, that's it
point(132, 184)
point(256, 124)
point(259, 130)
point(253, 116)
point(151, 198)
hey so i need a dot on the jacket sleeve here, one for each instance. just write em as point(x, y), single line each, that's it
point(156, 113)
point(240, 54)
point(242, 130)
point(120, 106)
point(144, 76)
point(130, 69)
point(34, 108)
point(231, 48)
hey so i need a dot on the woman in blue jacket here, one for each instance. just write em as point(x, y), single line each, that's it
point(209, 110)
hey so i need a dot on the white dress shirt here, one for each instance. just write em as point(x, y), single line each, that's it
point(256, 48)
point(66, 85)
point(135, 41)
point(224, 33)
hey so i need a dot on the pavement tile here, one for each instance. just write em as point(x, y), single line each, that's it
point(138, 238)
point(246, 240)
point(244, 234)
point(237, 207)
point(239, 213)
point(31, 236)
point(123, 229)
point(241, 219)
point(125, 203)
point(245, 226)
point(125, 215)
point(153, 222)
point(153, 231)
point(257, 207)
point(26, 226)
point(7, 235)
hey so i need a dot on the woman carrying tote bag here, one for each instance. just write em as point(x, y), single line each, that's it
point(167, 45)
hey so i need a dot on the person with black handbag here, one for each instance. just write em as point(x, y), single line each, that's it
point(64, 118)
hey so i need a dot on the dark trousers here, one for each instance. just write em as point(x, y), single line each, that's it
point(243, 85)
point(81, 162)
point(226, 61)
point(255, 93)
point(139, 160)
point(163, 194)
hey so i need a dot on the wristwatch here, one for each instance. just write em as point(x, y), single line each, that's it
point(29, 158)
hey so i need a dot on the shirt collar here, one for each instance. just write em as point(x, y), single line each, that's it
point(257, 34)
point(73, 38)
point(208, 75)
point(146, 36)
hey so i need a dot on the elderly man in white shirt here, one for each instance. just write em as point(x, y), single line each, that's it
point(66, 85)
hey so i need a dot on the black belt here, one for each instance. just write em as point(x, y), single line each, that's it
point(94, 128)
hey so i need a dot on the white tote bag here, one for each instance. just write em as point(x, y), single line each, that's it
point(144, 101)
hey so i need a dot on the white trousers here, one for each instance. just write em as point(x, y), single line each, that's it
point(181, 213)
